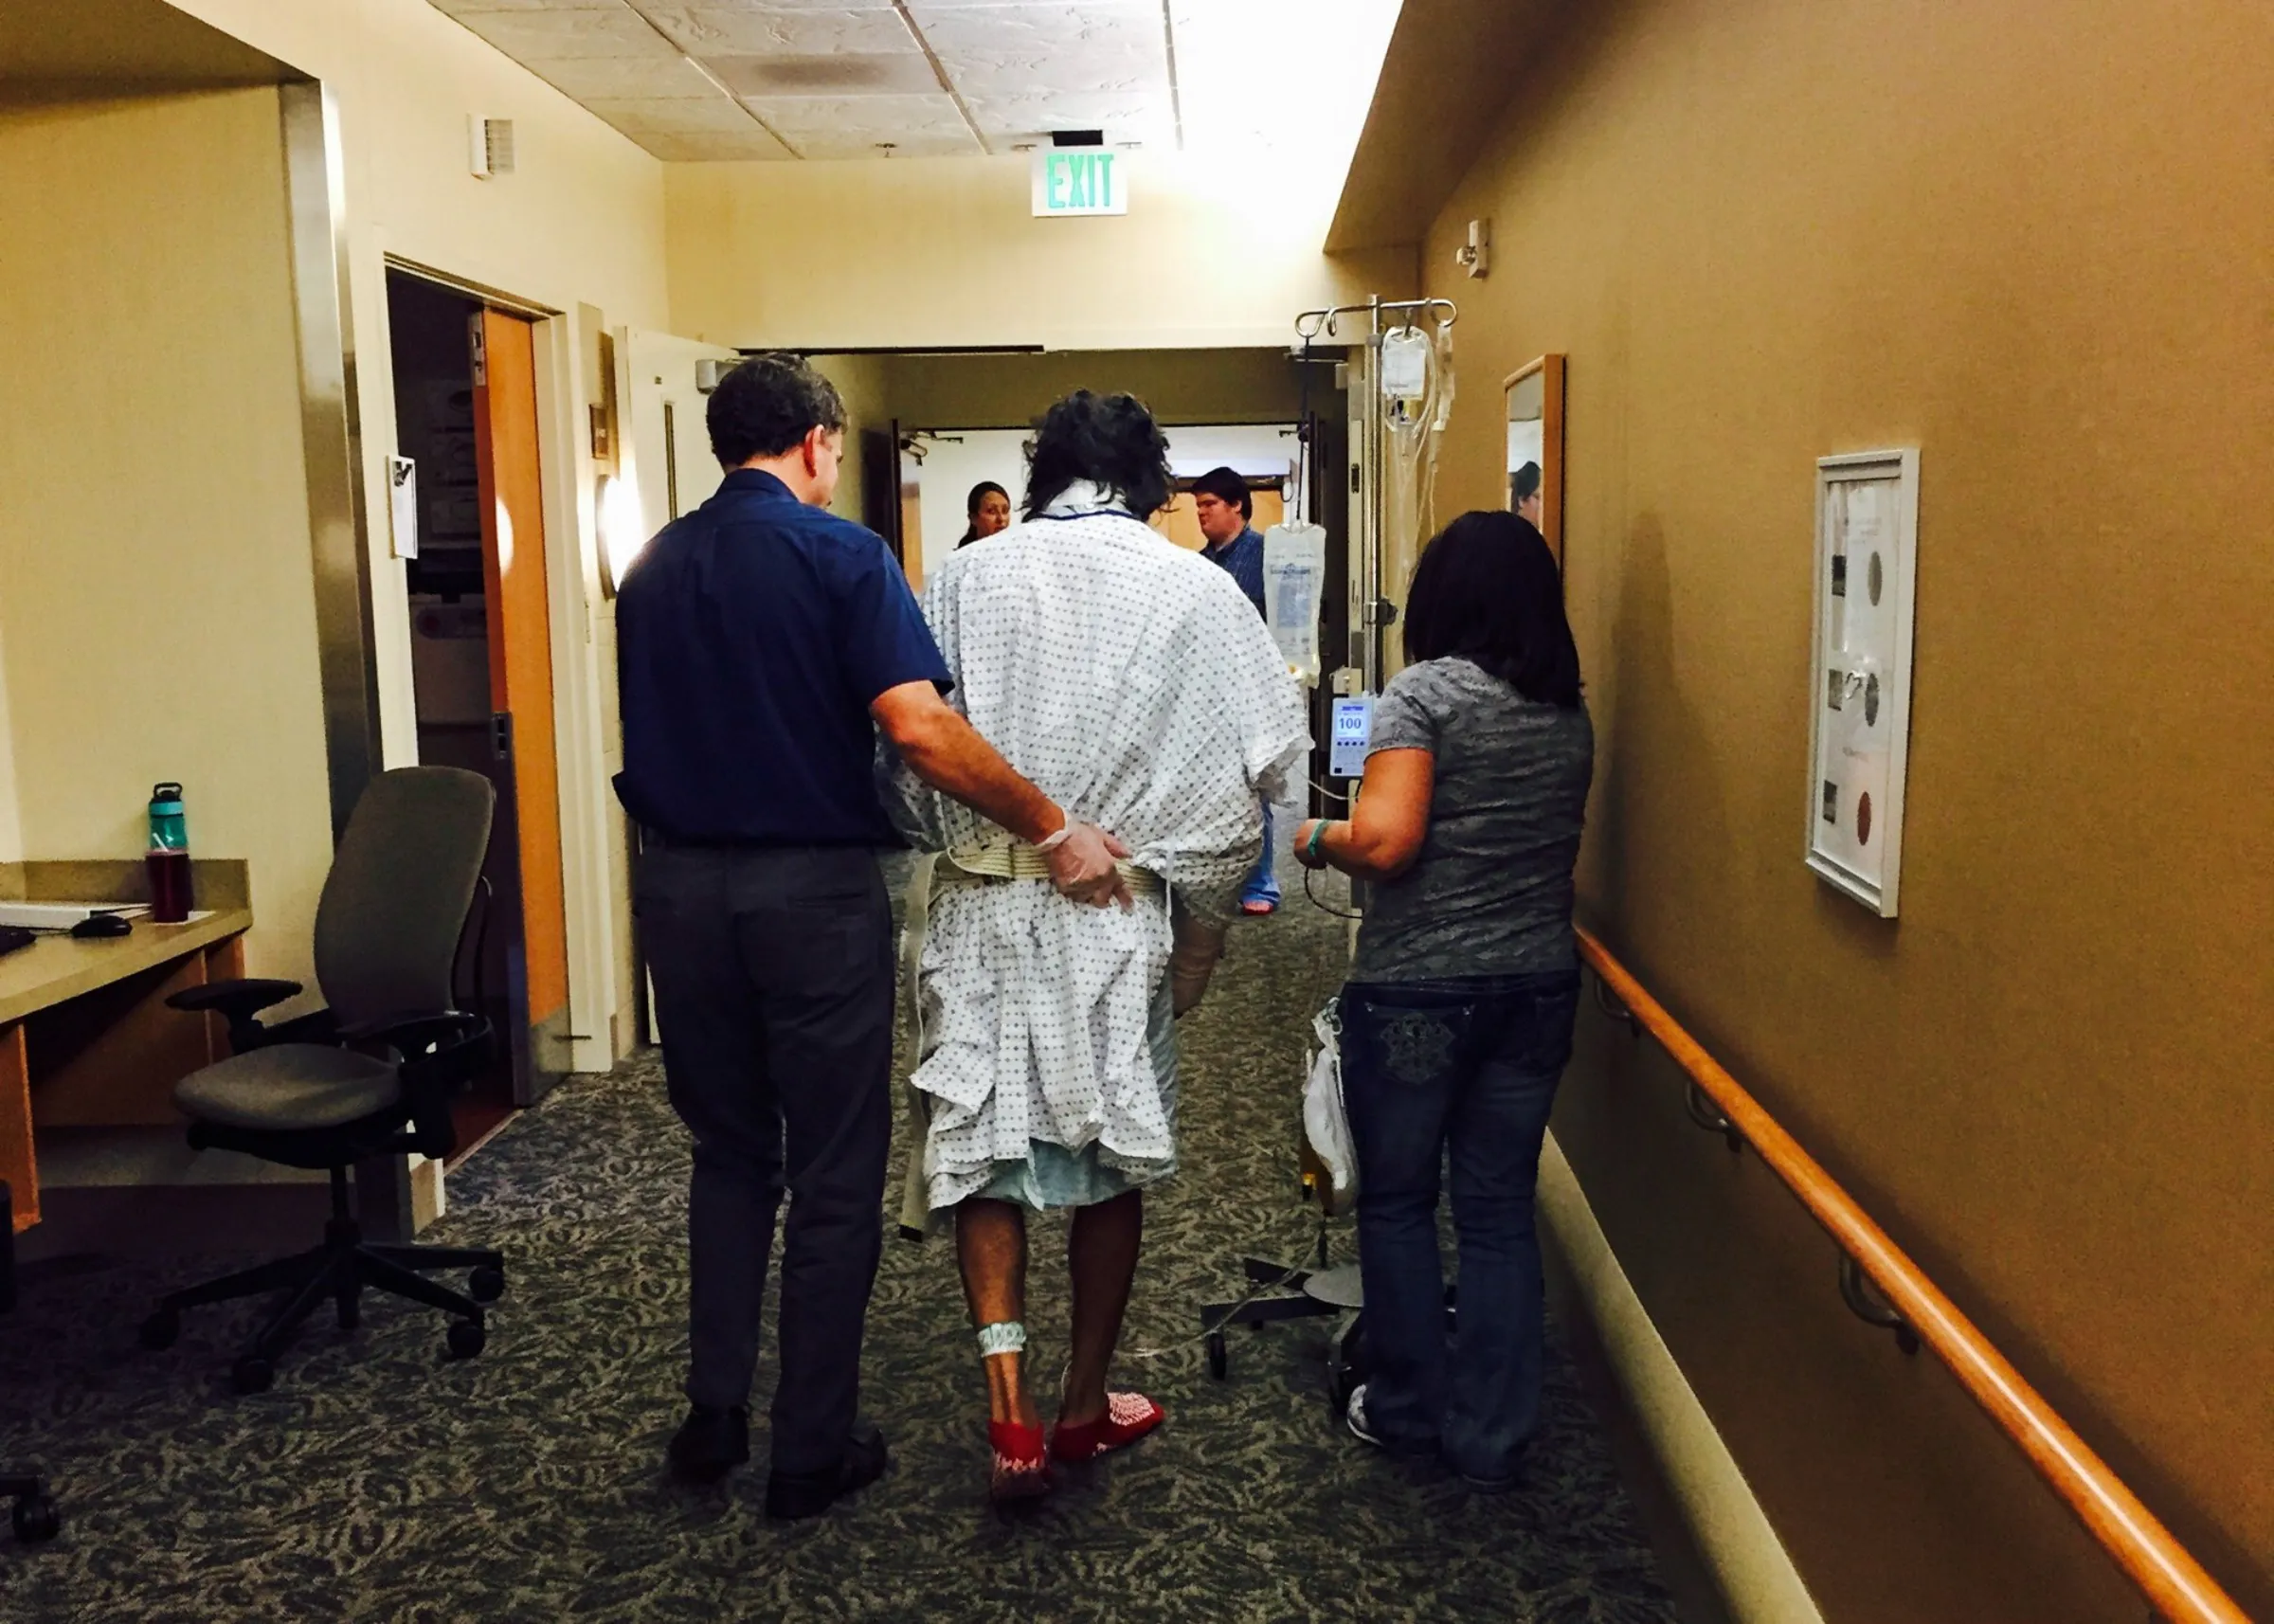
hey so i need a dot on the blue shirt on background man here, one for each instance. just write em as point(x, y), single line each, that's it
point(753, 635)
point(1243, 559)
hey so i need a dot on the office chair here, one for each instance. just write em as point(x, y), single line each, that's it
point(34, 1513)
point(371, 1075)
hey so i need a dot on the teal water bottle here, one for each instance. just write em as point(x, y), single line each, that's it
point(171, 898)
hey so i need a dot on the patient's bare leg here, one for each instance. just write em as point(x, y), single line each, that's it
point(1101, 1253)
point(990, 1244)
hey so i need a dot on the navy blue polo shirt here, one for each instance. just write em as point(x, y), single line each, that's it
point(751, 636)
point(1243, 559)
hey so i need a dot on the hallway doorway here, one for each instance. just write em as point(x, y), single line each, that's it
point(466, 417)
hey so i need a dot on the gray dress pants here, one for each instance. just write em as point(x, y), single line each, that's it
point(774, 976)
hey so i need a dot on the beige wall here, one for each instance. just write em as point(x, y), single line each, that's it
point(581, 220)
point(11, 827)
point(1257, 385)
point(578, 228)
point(924, 252)
point(156, 608)
point(2037, 246)
point(863, 382)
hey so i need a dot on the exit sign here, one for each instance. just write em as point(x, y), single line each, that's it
point(1080, 180)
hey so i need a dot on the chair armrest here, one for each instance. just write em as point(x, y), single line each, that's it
point(239, 1000)
point(436, 1056)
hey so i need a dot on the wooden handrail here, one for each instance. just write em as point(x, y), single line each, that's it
point(2171, 1579)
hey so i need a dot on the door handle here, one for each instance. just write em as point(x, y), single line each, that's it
point(501, 735)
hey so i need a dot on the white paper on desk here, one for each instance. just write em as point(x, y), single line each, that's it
point(63, 915)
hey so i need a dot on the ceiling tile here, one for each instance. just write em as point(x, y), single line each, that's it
point(673, 114)
point(1125, 116)
point(853, 127)
point(552, 36)
point(713, 147)
point(707, 31)
point(465, 7)
point(583, 79)
point(996, 50)
point(845, 77)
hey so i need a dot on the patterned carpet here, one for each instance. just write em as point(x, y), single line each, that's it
point(378, 1481)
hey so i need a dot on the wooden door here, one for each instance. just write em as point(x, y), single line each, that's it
point(513, 535)
point(1181, 520)
point(892, 495)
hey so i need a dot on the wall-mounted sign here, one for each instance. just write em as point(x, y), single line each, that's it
point(1860, 689)
point(1080, 180)
point(402, 505)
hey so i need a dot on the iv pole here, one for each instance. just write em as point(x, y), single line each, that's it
point(1371, 611)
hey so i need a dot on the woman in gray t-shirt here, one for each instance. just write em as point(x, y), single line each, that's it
point(1457, 1017)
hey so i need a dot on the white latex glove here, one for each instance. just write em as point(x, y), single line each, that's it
point(1081, 866)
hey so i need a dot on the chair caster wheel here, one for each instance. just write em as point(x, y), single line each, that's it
point(1220, 1355)
point(251, 1375)
point(467, 1338)
point(486, 1284)
point(37, 1519)
point(159, 1331)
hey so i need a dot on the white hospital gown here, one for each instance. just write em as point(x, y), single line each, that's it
point(1131, 681)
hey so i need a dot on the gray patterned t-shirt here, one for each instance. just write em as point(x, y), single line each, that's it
point(1491, 893)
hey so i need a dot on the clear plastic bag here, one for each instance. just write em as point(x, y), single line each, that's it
point(1326, 1122)
point(1294, 582)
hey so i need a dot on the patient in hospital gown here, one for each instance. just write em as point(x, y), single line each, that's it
point(1131, 681)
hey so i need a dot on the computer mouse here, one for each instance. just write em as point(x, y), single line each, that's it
point(102, 924)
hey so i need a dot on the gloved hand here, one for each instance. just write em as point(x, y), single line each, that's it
point(1081, 865)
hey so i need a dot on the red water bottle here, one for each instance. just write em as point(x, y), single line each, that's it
point(170, 897)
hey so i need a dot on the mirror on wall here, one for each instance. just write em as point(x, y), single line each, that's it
point(1535, 392)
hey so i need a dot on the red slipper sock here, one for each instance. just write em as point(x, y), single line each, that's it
point(1021, 1470)
point(1128, 1416)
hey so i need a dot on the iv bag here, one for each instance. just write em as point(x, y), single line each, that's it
point(1294, 580)
point(1405, 358)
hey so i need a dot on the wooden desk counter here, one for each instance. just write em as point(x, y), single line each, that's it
point(85, 1036)
point(57, 969)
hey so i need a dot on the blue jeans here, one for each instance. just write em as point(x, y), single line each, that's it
point(1470, 1064)
point(1262, 885)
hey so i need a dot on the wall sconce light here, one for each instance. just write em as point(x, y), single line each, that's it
point(622, 531)
point(1475, 255)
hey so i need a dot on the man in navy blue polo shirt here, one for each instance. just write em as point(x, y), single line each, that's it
point(761, 642)
point(1223, 505)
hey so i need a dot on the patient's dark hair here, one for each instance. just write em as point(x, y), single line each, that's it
point(1488, 590)
point(766, 405)
point(1108, 440)
point(1525, 481)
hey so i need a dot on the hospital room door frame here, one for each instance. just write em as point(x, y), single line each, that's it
point(503, 349)
point(580, 1036)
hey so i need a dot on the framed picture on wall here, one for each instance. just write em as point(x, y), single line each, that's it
point(1535, 398)
point(1860, 681)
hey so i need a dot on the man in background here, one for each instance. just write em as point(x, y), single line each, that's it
point(763, 641)
point(1224, 507)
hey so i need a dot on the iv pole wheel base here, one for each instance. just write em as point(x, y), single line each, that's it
point(1220, 1355)
point(36, 1519)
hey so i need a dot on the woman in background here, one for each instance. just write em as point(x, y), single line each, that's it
point(1524, 494)
point(988, 508)
point(1458, 1016)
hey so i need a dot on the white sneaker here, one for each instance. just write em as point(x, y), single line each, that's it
point(1355, 1416)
